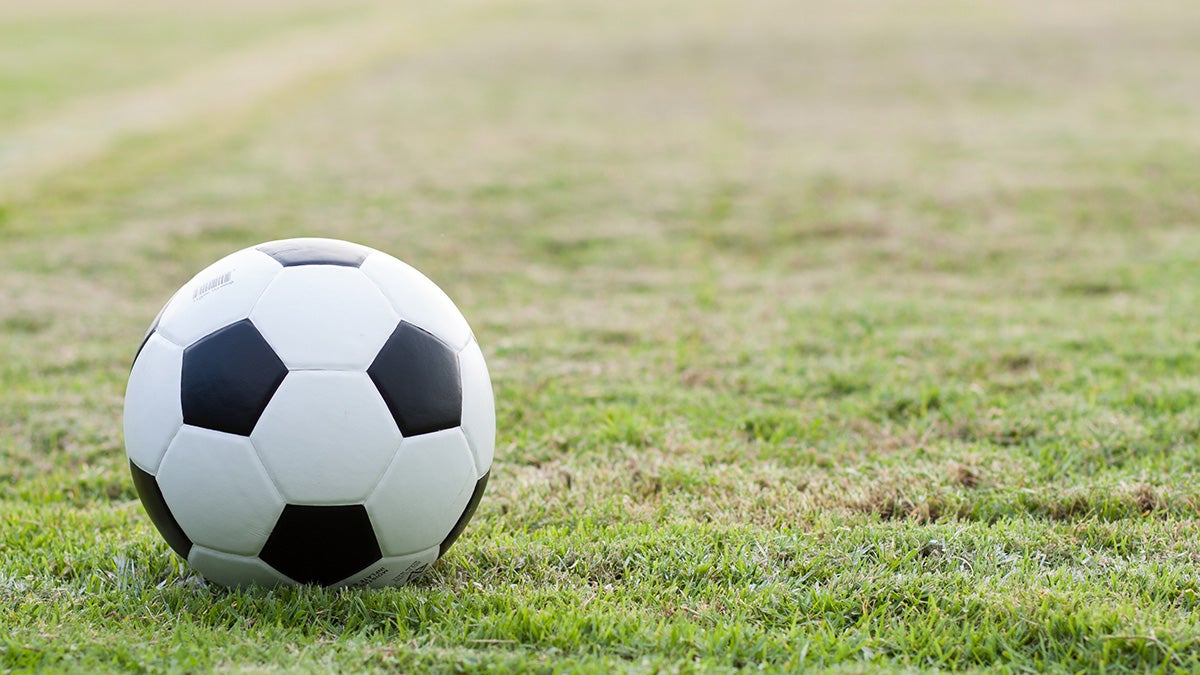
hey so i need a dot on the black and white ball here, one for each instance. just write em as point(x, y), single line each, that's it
point(310, 411)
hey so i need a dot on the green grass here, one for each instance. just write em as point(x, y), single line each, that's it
point(820, 339)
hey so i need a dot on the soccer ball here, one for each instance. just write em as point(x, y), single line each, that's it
point(310, 411)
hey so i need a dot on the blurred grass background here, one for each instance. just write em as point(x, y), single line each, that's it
point(831, 336)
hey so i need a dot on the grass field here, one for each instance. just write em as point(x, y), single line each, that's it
point(823, 335)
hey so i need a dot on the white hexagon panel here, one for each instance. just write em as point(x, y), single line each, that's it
point(418, 300)
point(221, 294)
point(218, 491)
point(324, 317)
point(153, 413)
point(424, 492)
point(326, 437)
point(478, 407)
point(232, 570)
point(394, 570)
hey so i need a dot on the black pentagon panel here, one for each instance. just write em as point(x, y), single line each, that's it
point(293, 252)
point(152, 498)
point(228, 378)
point(321, 544)
point(418, 377)
point(466, 515)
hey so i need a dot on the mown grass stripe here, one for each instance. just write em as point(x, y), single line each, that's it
point(88, 129)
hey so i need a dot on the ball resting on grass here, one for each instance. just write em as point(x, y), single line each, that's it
point(310, 411)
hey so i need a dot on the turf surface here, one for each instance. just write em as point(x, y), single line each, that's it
point(833, 337)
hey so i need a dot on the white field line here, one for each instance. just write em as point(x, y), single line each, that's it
point(87, 129)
